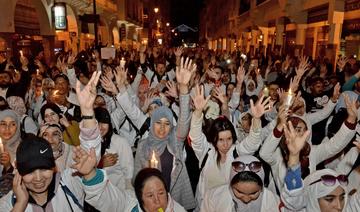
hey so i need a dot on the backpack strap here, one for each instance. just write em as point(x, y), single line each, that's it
point(73, 197)
point(355, 165)
point(235, 153)
point(204, 160)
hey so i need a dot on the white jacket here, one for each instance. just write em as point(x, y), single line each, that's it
point(121, 173)
point(270, 152)
point(219, 199)
point(201, 147)
point(103, 191)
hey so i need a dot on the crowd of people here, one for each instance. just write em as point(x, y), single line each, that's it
point(179, 129)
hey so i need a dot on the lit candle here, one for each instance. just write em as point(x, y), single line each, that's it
point(153, 162)
point(289, 98)
point(37, 71)
point(55, 92)
point(21, 53)
point(1, 146)
point(266, 91)
point(122, 63)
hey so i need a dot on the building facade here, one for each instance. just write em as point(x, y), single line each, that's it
point(311, 27)
point(28, 23)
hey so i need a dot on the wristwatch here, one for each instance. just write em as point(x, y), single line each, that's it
point(87, 117)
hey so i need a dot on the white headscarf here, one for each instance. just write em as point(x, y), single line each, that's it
point(318, 190)
point(254, 205)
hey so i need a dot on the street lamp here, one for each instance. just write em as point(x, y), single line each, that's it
point(156, 9)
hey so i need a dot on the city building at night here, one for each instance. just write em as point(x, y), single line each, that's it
point(313, 27)
point(69, 24)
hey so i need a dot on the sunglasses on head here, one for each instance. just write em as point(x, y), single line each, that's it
point(330, 180)
point(239, 166)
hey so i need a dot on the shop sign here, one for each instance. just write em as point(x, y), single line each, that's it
point(59, 11)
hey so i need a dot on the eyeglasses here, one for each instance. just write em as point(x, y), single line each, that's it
point(239, 166)
point(330, 180)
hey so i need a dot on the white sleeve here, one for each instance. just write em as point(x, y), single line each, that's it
point(330, 147)
point(131, 110)
point(199, 142)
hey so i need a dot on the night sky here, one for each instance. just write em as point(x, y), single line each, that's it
point(186, 12)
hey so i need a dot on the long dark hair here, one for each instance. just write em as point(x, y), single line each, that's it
point(220, 124)
point(141, 178)
point(102, 115)
point(304, 153)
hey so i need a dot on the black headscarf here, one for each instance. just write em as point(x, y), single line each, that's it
point(103, 116)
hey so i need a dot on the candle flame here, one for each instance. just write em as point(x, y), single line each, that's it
point(290, 92)
point(55, 92)
point(153, 156)
point(122, 58)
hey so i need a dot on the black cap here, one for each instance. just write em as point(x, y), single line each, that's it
point(34, 153)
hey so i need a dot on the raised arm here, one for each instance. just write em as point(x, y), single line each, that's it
point(253, 141)
point(199, 142)
point(184, 72)
point(89, 130)
point(339, 141)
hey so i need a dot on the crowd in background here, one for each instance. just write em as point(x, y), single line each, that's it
point(179, 129)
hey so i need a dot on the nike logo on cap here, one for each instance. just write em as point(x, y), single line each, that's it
point(43, 151)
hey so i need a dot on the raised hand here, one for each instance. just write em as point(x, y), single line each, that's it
point(20, 191)
point(294, 143)
point(351, 108)
point(172, 89)
point(221, 96)
point(184, 72)
point(121, 78)
point(71, 59)
point(199, 100)
point(109, 73)
point(260, 107)
point(179, 51)
point(24, 61)
point(336, 93)
point(287, 62)
point(108, 85)
point(342, 62)
point(294, 83)
point(87, 95)
point(303, 66)
point(85, 162)
point(240, 74)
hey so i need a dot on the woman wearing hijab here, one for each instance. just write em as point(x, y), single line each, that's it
point(216, 151)
point(163, 148)
point(27, 124)
point(246, 192)
point(276, 153)
point(116, 155)
point(10, 138)
point(322, 191)
point(52, 114)
point(61, 150)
